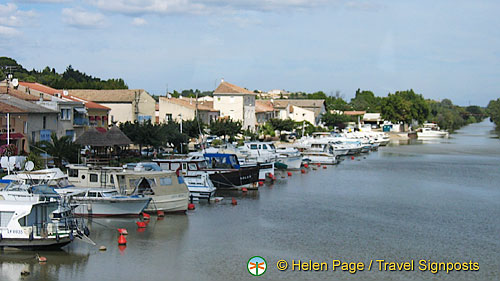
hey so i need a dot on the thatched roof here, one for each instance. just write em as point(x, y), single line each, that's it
point(116, 137)
point(93, 137)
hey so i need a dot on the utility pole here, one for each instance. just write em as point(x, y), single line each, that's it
point(180, 115)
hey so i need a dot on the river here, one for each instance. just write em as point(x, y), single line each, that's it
point(437, 201)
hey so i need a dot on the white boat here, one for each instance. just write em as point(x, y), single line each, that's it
point(168, 192)
point(428, 133)
point(36, 217)
point(319, 157)
point(290, 157)
point(105, 202)
point(198, 182)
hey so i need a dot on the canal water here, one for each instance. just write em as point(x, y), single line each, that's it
point(437, 201)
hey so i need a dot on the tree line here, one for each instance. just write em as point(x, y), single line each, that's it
point(69, 79)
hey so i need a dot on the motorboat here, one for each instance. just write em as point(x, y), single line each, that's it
point(431, 131)
point(36, 217)
point(290, 157)
point(168, 192)
point(319, 157)
point(100, 202)
point(198, 181)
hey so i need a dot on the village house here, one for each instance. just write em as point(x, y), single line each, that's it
point(264, 110)
point(96, 115)
point(236, 103)
point(29, 123)
point(185, 109)
point(300, 110)
point(125, 105)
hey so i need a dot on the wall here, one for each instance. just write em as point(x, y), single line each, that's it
point(167, 107)
point(249, 118)
point(101, 113)
point(300, 114)
point(35, 126)
point(18, 124)
point(120, 112)
point(229, 105)
point(146, 106)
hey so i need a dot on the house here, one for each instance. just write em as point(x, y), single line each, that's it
point(28, 122)
point(96, 115)
point(373, 119)
point(236, 103)
point(274, 94)
point(185, 109)
point(125, 105)
point(264, 110)
point(300, 110)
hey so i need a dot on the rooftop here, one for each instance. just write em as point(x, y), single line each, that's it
point(19, 94)
point(25, 106)
point(263, 106)
point(191, 103)
point(300, 103)
point(228, 88)
point(107, 95)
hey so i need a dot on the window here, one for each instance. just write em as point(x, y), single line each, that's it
point(73, 173)
point(111, 179)
point(253, 146)
point(92, 194)
point(192, 167)
point(168, 117)
point(44, 122)
point(165, 181)
point(93, 177)
point(264, 146)
point(65, 114)
point(5, 218)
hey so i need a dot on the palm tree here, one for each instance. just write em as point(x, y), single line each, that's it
point(60, 149)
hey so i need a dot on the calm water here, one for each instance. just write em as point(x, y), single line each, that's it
point(438, 201)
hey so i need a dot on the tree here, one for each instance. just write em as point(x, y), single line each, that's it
point(334, 120)
point(405, 106)
point(493, 111)
point(366, 101)
point(282, 125)
point(225, 127)
point(60, 149)
point(192, 128)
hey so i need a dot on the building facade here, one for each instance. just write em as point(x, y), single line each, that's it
point(236, 103)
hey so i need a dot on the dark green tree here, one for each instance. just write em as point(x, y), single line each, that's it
point(225, 127)
point(60, 149)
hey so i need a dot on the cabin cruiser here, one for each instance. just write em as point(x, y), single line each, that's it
point(431, 131)
point(319, 157)
point(198, 182)
point(168, 192)
point(52, 177)
point(290, 157)
point(100, 202)
point(36, 217)
point(223, 169)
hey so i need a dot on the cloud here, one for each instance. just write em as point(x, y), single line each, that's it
point(6, 31)
point(80, 18)
point(13, 17)
point(162, 7)
point(139, 21)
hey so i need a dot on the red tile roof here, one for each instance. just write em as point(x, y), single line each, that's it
point(191, 103)
point(228, 88)
point(51, 91)
point(263, 106)
point(7, 108)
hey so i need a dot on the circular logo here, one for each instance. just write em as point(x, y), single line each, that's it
point(256, 266)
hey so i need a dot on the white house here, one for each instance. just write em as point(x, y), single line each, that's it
point(185, 109)
point(300, 110)
point(236, 103)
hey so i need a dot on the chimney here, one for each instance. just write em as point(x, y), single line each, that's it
point(41, 97)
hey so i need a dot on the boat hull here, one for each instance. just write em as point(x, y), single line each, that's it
point(35, 244)
point(168, 203)
point(292, 162)
point(95, 207)
point(232, 179)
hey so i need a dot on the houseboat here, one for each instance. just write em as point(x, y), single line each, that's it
point(168, 192)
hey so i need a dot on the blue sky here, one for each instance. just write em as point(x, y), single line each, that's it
point(441, 49)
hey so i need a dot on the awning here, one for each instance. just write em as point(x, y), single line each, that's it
point(98, 118)
point(105, 118)
point(12, 136)
point(91, 118)
point(81, 110)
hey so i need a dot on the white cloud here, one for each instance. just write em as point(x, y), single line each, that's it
point(6, 31)
point(80, 18)
point(13, 17)
point(140, 7)
point(138, 21)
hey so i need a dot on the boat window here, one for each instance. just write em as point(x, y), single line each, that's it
point(22, 221)
point(110, 194)
point(99, 194)
point(145, 187)
point(192, 167)
point(184, 166)
point(253, 146)
point(202, 165)
point(83, 177)
point(92, 194)
point(93, 177)
point(264, 146)
point(5, 218)
point(62, 183)
point(111, 179)
point(73, 173)
point(165, 181)
point(272, 146)
point(260, 146)
point(233, 160)
point(174, 166)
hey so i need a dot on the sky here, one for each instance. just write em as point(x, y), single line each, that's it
point(439, 48)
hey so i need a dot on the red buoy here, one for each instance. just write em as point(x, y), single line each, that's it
point(146, 216)
point(122, 231)
point(324, 167)
point(261, 183)
point(42, 259)
point(234, 202)
point(303, 171)
point(270, 175)
point(244, 189)
point(306, 165)
point(122, 240)
point(318, 164)
point(352, 157)
point(191, 206)
point(289, 174)
point(160, 213)
point(141, 224)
